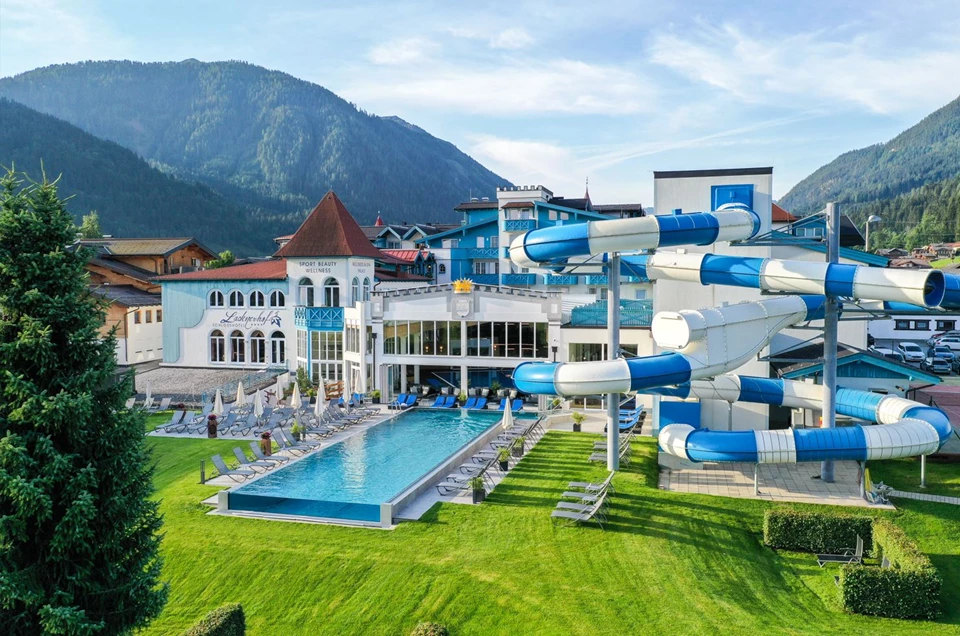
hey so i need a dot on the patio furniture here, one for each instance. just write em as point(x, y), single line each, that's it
point(397, 402)
point(470, 403)
point(174, 421)
point(232, 473)
point(226, 423)
point(410, 403)
point(300, 448)
point(517, 405)
point(593, 488)
point(255, 464)
point(848, 556)
point(570, 514)
point(258, 453)
point(479, 405)
point(163, 406)
point(503, 404)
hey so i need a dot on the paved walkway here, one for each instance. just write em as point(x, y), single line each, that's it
point(795, 483)
point(919, 496)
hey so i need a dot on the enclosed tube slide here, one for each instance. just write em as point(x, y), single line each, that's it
point(710, 342)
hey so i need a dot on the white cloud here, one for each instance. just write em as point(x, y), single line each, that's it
point(512, 39)
point(516, 88)
point(524, 161)
point(869, 71)
point(402, 51)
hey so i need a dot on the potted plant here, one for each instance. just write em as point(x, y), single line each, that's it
point(462, 397)
point(578, 418)
point(297, 431)
point(555, 403)
point(503, 457)
point(266, 444)
point(495, 388)
point(518, 446)
point(479, 489)
point(375, 396)
point(211, 425)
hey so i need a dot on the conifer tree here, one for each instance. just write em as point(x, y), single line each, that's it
point(79, 532)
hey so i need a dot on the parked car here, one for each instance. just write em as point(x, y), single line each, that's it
point(943, 334)
point(911, 351)
point(949, 341)
point(889, 354)
point(937, 365)
point(942, 351)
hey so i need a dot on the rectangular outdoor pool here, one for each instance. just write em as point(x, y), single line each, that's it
point(352, 478)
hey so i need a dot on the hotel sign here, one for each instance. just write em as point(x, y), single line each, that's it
point(251, 320)
point(318, 267)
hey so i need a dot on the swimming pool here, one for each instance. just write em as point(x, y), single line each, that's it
point(351, 479)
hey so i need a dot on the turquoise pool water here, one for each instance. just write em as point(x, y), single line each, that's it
point(350, 479)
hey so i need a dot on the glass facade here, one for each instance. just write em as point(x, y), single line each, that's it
point(482, 339)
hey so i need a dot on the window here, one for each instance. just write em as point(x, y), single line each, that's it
point(355, 290)
point(809, 232)
point(237, 347)
point(159, 315)
point(331, 293)
point(366, 289)
point(277, 298)
point(258, 348)
point(305, 288)
point(257, 299)
point(217, 347)
point(136, 317)
point(148, 315)
point(486, 267)
point(394, 245)
point(946, 325)
point(494, 241)
point(442, 268)
point(278, 348)
point(195, 262)
point(552, 215)
point(236, 298)
point(902, 325)
point(216, 298)
point(919, 325)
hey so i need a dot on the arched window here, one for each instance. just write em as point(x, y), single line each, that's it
point(442, 268)
point(237, 347)
point(236, 298)
point(355, 290)
point(216, 299)
point(278, 348)
point(305, 292)
point(257, 299)
point(258, 348)
point(331, 293)
point(277, 298)
point(366, 289)
point(217, 345)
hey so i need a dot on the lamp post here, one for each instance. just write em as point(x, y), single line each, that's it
point(373, 338)
point(872, 219)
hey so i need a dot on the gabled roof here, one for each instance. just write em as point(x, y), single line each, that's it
point(461, 229)
point(850, 236)
point(846, 355)
point(780, 215)
point(407, 256)
point(518, 204)
point(477, 205)
point(329, 230)
point(263, 270)
point(124, 269)
point(429, 229)
point(142, 246)
point(127, 295)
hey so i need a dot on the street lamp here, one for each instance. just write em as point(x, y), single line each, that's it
point(872, 219)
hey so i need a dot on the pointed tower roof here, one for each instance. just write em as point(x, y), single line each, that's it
point(379, 221)
point(329, 230)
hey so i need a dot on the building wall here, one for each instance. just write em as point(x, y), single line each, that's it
point(105, 276)
point(144, 341)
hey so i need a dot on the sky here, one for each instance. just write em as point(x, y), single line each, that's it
point(555, 92)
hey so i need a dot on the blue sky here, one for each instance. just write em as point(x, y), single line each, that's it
point(555, 92)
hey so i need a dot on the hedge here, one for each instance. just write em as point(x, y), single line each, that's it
point(223, 621)
point(820, 532)
point(909, 588)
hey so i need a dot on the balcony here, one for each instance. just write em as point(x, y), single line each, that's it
point(475, 253)
point(485, 279)
point(566, 279)
point(519, 280)
point(519, 225)
point(633, 313)
point(597, 279)
point(318, 318)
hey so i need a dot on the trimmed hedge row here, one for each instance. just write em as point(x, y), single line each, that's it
point(798, 531)
point(223, 621)
point(909, 588)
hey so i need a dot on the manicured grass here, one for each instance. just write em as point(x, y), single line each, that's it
point(943, 478)
point(943, 262)
point(666, 564)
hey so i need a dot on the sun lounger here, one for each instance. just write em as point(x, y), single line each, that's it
point(232, 473)
point(594, 487)
point(848, 556)
point(258, 453)
point(572, 513)
point(410, 403)
point(226, 423)
point(397, 402)
point(470, 403)
point(517, 405)
point(174, 421)
point(185, 422)
point(503, 404)
point(439, 402)
point(480, 404)
point(162, 406)
point(255, 464)
point(282, 435)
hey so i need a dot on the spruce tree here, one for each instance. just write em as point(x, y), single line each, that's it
point(79, 532)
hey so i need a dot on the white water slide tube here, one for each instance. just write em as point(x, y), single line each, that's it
point(707, 343)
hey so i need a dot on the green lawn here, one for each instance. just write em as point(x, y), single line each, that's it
point(667, 563)
point(904, 474)
point(943, 262)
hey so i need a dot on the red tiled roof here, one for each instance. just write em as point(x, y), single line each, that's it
point(781, 216)
point(403, 255)
point(329, 230)
point(264, 270)
point(519, 204)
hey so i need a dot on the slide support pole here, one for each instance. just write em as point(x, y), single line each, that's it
point(923, 471)
point(756, 479)
point(830, 319)
point(613, 352)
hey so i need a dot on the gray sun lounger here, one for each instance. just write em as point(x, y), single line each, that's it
point(174, 421)
point(258, 453)
point(292, 445)
point(246, 463)
point(848, 556)
point(569, 514)
point(232, 473)
point(594, 488)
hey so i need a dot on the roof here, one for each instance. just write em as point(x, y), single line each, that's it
point(264, 270)
point(781, 216)
point(723, 172)
point(846, 354)
point(917, 263)
point(127, 295)
point(518, 204)
point(122, 268)
point(329, 230)
point(383, 274)
point(618, 207)
point(574, 204)
point(143, 246)
point(462, 228)
point(408, 256)
point(477, 205)
point(850, 236)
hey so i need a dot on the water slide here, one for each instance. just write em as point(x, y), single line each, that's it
point(703, 346)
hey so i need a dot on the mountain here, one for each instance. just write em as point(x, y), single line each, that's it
point(132, 198)
point(928, 152)
point(925, 215)
point(263, 138)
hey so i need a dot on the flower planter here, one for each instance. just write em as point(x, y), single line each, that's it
point(479, 496)
point(517, 450)
point(576, 427)
point(266, 445)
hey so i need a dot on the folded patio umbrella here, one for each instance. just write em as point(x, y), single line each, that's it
point(258, 404)
point(279, 390)
point(507, 420)
point(218, 404)
point(241, 396)
point(295, 401)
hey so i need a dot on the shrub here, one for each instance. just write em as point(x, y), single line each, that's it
point(223, 621)
point(909, 588)
point(429, 629)
point(815, 531)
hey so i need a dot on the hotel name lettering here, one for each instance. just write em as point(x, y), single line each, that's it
point(318, 267)
point(249, 320)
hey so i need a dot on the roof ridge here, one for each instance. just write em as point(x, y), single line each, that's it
point(329, 230)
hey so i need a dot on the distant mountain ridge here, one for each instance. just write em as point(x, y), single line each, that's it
point(132, 198)
point(926, 153)
point(267, 140)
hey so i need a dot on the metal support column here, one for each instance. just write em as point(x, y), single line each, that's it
point(756, 479)
point(831, 315)
point(613, 352)
point(923, 471)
